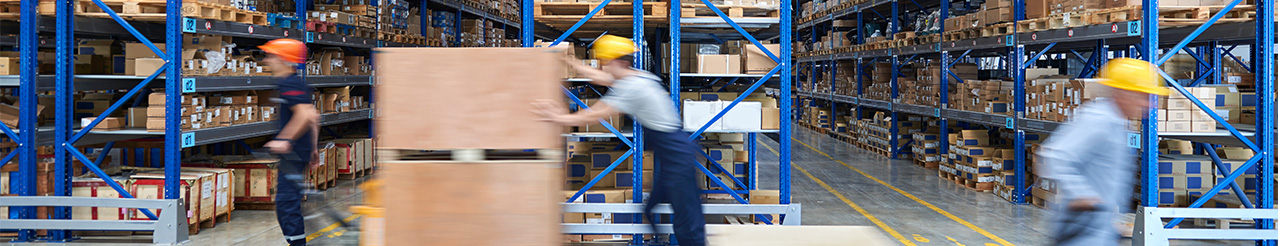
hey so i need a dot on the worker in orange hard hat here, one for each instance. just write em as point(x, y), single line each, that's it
point(299, 126)
point(640, 94)
point(1090, 159)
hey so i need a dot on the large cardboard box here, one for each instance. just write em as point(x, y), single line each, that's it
point(451, 99)
point(719, 64)
point(745, 116)
point(769, 118)
point(482, 214)
point(755, 61)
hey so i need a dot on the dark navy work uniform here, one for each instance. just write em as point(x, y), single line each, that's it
point(641, 96)
point(293, 91)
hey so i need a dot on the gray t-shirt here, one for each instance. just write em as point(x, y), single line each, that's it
point(642, 97)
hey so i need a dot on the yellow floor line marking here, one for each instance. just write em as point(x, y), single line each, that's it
point(330, 227)
point(917, 199)
point(855, 206)
point(920, 238)
point(954, 241)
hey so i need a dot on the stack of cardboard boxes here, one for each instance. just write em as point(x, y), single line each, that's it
point(204, 111)
point(924, 147)
point(732, 57)
point(1178, 114)
point(989, 96)
point(971, 158)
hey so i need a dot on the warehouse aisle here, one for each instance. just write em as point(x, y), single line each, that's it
point(941, 213)
point(976, 218)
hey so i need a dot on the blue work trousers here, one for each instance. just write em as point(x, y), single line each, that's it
point(289, 201)
point(675, 182)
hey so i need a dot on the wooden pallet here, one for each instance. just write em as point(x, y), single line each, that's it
point(1033, 25)
point(927, 164)
point(1113, 15)
point(977, 186)
point(566, 11)
point(321, 26)
point(213, 11)
point(1068, 20)
point(1194, 15)
point(211, 222)
point(733, 11)
point(997, 30)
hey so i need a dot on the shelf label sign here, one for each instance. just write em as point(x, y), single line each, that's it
point(1135, 28)
point(188, 25)
point(1008, 40)
point(1135, 140)
point(311, 37)
point(188, 139)
point(188, 85)
point(937, 112)
point(1008, 123)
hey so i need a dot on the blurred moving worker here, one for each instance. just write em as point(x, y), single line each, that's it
point(640, 94)
point(298, 127)
point(1090, 159)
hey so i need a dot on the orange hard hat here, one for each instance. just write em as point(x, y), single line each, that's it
point(290, 50)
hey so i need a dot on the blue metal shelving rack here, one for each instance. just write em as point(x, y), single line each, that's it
point(635, 139)
point(1139, 39)
point(65, 83)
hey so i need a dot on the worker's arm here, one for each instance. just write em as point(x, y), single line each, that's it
point(305, 118)
point(1064, 156)
point(557, 114)
point(588, 71)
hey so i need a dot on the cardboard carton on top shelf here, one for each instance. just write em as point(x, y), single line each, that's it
point(719, 64)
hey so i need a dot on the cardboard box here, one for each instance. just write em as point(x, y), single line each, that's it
point(9, 66)
point(143, 66)
point(745, 116)
point(719, 64)
point(476, 217)
point(137, 117)
point(107, 124)
point(1177, 126)
point(1178, 115)
point(457, 110)
point(1235, 153)
point(1185, 181)
point(755, 61)
point(140, 50)
point(769, 118)
point(1203, 126)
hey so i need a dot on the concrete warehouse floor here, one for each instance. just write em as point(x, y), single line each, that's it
point(837, 183)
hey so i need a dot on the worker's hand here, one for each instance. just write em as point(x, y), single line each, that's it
point(1084, 204)
point(278, 146)
point(551, 112)
point(570, 60)
point(315, 159)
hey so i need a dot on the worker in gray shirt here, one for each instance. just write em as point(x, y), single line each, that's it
point(1090, 159)
point(639, 94)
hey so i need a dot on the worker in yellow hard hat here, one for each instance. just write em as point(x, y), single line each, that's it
point(1089, 157)
point(299, 125)
point(641, 95)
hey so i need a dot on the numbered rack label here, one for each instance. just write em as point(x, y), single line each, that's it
point(188, 85)
point(1008, 123)
point(188, 25)
point(1135, 140)
point(188, 139)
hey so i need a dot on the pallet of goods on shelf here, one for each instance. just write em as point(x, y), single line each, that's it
point(732, 9)
point(1190, 176)
point(564, 14)
point(875, 134)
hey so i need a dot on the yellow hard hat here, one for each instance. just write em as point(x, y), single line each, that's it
point(1132, 75)
point(609, 47)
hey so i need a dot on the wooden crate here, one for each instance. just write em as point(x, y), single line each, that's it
point(151, 186)
point(458, 108)
point(96, 187)
point(222, 199)
point(349, 159)
point(257, 179)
